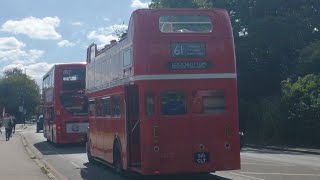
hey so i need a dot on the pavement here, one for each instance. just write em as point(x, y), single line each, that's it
point(15, 161)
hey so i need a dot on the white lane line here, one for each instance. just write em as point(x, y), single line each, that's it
point(284, 174)
point(270, 161)
point(266, 164)
point(74, 164)
point(251, 177)
point(316, 169)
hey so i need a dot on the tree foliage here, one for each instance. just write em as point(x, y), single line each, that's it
point(173, 4)
point(302, 99)
point(18, 89)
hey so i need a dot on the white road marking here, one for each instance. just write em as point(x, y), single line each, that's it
point(316, 169)
point(267, 164)
point(284, 174)
point(251, 177)
point(271, 162)
point(71, 162)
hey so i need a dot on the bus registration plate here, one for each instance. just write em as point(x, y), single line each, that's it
point(201, 157)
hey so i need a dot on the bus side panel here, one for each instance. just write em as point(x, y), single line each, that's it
point(105, 130)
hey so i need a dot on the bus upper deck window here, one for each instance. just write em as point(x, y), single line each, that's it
point(185, 24)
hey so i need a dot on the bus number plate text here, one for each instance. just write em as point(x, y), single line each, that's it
point(201, 157)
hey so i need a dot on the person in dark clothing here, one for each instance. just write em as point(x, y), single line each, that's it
point(0, 126)
point(14, 124)
point(8, 127)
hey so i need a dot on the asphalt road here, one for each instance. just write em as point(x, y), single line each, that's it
point(70, 162)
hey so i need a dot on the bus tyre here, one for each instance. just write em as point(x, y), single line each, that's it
point(90, 158)
point(117, 163)
point(48, 139)
point(52, 138)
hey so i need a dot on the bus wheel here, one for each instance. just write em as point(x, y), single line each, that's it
point(117, 163)
point(52, 138)
point(90, 158)
point(48, 138)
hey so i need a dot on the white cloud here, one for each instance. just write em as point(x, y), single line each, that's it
point(8, 43)
point(103, 36)
point(35, 71)
point(77, 23)
point(106, 19)
point(38, 70)
point(137, 4)
point(12, 50)
point(34, 27)
point(118, 27)
point(65, 43)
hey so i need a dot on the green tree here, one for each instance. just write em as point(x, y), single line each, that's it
point(18, 89)
point(173, 4)
point(302, 101)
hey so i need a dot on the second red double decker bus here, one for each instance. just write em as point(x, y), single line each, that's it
point(65, 104)
point(163, 100)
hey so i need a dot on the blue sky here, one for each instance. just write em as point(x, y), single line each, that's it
point(35, 34)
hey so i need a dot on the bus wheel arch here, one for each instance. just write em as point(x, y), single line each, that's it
point(117, 156)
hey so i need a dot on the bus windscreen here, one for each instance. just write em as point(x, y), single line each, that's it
point(73, 79)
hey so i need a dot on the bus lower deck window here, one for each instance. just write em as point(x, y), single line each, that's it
point(149, 104)
point(173, 103)
point(107, 107)
point(116, 106)
point(210, 102)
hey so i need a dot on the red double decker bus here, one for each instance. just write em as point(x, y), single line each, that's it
point(65, 104)
point(163, 99)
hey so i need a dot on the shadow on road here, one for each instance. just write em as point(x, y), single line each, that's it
point(47, 148)
point(100, 172)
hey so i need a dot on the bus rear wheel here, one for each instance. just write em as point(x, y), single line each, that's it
point(52, 137)
point(117, 162)
point(90, 158)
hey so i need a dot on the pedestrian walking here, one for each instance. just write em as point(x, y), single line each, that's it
point(0, 126)
point(14, 124)
point(8, 124)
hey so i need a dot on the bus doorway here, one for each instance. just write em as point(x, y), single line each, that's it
point(133, 125)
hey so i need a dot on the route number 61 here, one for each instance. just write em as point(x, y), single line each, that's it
point(178, 50)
